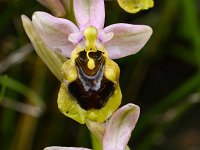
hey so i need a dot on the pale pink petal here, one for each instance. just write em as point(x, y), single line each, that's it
point(54, 32)
point(119, 128)
point(65, 148)
point(128, 39)
point(51, 59)
point(89, 12)
point(55, 6)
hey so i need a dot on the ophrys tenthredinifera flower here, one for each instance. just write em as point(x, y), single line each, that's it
point(90, 79)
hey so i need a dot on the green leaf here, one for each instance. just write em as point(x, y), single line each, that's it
point(22, 89)
point(3, 89)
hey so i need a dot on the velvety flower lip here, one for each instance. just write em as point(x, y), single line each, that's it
point(62, 36)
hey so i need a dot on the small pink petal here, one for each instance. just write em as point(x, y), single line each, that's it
point(89, 12)
point(65, 148)
point(54, 32)
point(119, 128)
point(128, 39)
point(75, 37)
point(105, 37)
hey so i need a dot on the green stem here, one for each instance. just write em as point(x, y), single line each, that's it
point(96, 145)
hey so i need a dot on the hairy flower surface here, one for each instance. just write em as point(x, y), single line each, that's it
point(90, 79)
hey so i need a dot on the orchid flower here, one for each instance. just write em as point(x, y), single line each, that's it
point(113, 134)
point(134, 6)
point(90, 79)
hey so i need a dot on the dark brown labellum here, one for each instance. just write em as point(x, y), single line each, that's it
point(91, 89)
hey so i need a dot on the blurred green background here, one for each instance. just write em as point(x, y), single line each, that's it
point(163, 79)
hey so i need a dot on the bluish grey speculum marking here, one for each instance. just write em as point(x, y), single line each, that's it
point(91, 89)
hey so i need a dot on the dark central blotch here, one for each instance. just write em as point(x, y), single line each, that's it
point(91, 89)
